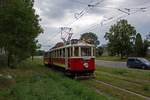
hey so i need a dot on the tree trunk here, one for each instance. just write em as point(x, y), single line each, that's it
point(121, 54)
point(8, 59)
point(32, 57)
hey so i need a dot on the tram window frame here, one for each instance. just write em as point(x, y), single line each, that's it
point(87, 51)
point(94, 51)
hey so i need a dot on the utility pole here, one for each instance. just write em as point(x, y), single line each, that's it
point(66, 34)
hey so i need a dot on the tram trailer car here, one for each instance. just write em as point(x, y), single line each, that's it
point(76, 59)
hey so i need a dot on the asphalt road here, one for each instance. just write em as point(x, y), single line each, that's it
point(110, 63)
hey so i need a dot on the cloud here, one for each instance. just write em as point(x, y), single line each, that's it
point(59, 13)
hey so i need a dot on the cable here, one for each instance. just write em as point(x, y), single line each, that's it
point(76, 1)
point(84, 11)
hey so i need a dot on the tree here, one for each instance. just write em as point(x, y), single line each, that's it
point(99, 50)
point(19, 26)
point(34, 47)
point(138, 45)
point(146, 44)
point(39, 52)
point(120, 38)
point(90, 38)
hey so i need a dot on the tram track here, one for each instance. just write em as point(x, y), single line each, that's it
point(108, 85)
point(132, 80)
point(121, 89)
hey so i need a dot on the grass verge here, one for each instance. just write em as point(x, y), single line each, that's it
point(111, 58)
point(134, 80)
point(33, 81)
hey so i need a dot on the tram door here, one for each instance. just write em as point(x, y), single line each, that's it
point(50, 58)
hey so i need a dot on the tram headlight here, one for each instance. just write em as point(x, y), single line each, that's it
point(86, 65)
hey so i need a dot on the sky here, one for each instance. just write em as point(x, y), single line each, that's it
point(98, 18)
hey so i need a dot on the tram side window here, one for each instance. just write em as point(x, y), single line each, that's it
point(60, 52)
point(76, 51)
point(46, 54)
point(85, 51)
point(71, 51)
point(55, 54)
point(50, 55)
point(68, 51)
point(94, 51)
point(64, 52)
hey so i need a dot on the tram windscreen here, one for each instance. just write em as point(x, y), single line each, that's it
point(85, 51)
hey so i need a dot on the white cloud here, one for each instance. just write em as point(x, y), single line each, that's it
point(59, 13)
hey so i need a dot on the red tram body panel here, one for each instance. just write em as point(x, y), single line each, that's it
point(74, 58)
point(78, 64)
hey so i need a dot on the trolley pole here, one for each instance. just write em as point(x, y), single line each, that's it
point(66, 34)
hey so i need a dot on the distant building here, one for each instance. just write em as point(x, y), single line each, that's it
point(105, 49)
point(148, 51)
point(74, 41)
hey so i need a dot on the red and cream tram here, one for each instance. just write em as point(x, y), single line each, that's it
point(76, 59)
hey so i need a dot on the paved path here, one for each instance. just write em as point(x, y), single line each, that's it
point(110, 63)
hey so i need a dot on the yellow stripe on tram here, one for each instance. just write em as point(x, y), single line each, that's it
point(61, 65)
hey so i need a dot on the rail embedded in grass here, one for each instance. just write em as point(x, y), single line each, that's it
point(114, 92)
point(125, 78)
point(132, 73)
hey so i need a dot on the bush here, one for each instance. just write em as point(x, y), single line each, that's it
point(3, 60)
point(147, 88)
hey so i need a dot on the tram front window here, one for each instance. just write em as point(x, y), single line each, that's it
point(85, 51)
point(76, 51)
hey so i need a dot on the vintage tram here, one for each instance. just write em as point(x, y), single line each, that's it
point(77, 59)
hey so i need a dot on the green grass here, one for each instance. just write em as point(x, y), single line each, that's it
point(111, 58)
point(32, 81)
point(134, 80)
point(116, 58)
point(113, 92)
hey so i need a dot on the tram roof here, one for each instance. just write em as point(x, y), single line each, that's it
point(72, 45)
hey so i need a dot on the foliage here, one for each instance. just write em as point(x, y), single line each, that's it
point(141, 47)
point(90, 38)
point(19, 26)
point(134, 80)
point(99, 50)
point(120, 38)
point(111, 58)
point(138, 45)
point(39, 52)
point(146, 44)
